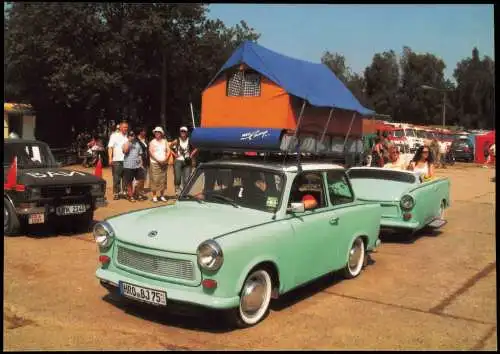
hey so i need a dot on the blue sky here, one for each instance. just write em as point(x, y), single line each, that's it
point(359, 31)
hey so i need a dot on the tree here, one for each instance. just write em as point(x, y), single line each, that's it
point(337, 63)
point(414, 104)
point(475, 97)
point(78, 62)
point(382, 82)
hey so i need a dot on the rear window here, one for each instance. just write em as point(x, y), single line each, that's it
point(388, 175)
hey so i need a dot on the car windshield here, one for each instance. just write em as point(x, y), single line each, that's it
point(239, 186)
point(29, 155)
point(411, 132)
point(398, 133)
point(421, 134)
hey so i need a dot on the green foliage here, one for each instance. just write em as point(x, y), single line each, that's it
point(84, 61)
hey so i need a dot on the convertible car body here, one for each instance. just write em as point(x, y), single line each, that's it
point(408, 205)
point(240, 234)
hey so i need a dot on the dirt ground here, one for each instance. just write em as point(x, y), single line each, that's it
point(435, 292)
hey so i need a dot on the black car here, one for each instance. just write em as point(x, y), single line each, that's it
point(43, 192)
point(462, 150)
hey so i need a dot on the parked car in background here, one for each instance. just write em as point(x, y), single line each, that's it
point(38, 191)
point(408, 205)
point(462, 149)
point(240, 233)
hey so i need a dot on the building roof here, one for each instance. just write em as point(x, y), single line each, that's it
point(313, 82)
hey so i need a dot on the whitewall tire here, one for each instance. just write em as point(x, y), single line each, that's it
point(355, 258)
point(255, 299)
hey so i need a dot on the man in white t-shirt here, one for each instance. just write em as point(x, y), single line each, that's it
point(116, 156)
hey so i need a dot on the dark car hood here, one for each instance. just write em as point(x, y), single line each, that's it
point(53, 176)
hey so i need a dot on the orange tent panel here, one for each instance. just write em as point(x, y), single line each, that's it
point(271, 109)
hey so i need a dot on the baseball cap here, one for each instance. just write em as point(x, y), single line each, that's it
point(183, 129)
point(158, 129)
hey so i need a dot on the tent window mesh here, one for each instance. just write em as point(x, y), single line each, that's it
point(243, 83)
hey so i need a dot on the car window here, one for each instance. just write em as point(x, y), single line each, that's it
point(308, 183)
point(398, 133)
point(338, 188)
point(29, 155)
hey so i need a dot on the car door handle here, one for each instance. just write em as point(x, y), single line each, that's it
point(334, 221)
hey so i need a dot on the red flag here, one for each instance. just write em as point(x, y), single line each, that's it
point(98, 168)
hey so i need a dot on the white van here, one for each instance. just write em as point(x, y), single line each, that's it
point(410, 135)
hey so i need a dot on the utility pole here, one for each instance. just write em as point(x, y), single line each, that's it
point(444, 109)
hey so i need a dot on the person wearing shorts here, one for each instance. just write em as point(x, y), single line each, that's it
point(132, 164)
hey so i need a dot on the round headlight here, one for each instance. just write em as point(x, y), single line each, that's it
point(407, 202)
point(103, 234)
point(210, 255)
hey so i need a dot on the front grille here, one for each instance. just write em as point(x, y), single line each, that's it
point(62, 191)
point(74, 200)
point(162, 266)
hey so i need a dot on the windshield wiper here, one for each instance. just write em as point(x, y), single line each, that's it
point(190, 197)
point(226, 199)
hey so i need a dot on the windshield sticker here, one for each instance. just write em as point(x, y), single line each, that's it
point(54, 174)
point(272, 202)
point(36, 154)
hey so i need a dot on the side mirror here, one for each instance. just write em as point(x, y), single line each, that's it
point(296, 208)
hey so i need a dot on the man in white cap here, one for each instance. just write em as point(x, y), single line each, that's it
point(183, 153)
point(159, 152)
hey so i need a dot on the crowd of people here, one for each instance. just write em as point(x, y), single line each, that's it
point(135, 162)
point(387, 155)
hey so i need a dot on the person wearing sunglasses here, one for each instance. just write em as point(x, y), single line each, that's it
point(423, 163)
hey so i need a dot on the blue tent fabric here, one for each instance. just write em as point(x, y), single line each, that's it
point(313, 82)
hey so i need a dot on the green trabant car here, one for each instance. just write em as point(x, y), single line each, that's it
point(408, 204)
point(239, 235)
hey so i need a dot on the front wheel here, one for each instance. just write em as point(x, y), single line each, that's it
point(11, 223)
point(255, 298)
point(356, 259)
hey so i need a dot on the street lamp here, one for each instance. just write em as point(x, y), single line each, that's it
point(444, 91)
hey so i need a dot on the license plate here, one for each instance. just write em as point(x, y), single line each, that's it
point(150, 296)
point(70, 209)
point(36, 218)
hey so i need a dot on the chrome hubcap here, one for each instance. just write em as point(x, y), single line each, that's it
point(253, 295)
point(355, 255)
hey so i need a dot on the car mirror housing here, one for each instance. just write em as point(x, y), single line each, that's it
point(296, 208)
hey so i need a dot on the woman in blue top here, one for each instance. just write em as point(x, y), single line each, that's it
point(132, 164)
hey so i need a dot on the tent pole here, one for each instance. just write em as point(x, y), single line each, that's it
point(300, 118)
point(326, 126)
point(349, 131)
point(295, 136)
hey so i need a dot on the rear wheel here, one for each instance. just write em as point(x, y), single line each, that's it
point(356, 259)
point(11, 224)
point(255, 298)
